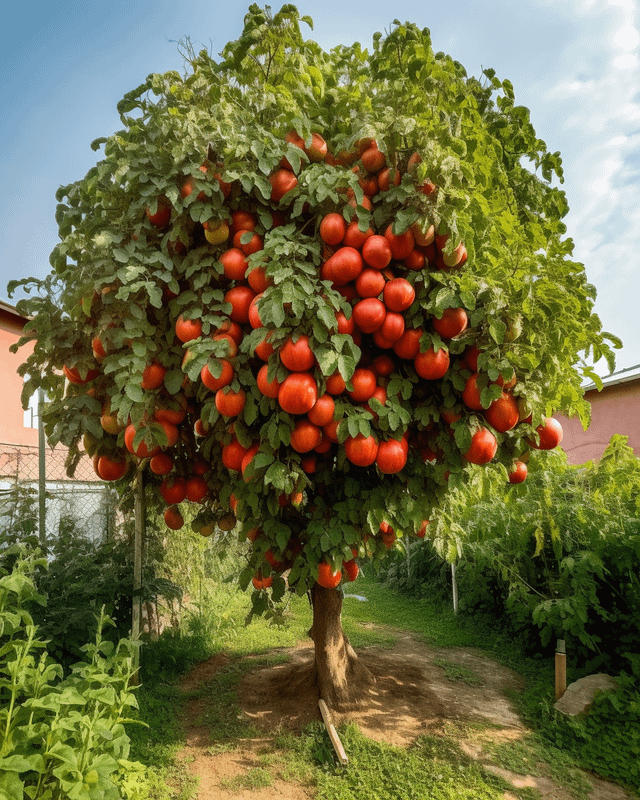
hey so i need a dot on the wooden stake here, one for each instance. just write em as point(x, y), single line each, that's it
point(138, 545)
point(561, 669)
point(333, 733)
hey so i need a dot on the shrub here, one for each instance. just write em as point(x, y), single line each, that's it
point(60, 737)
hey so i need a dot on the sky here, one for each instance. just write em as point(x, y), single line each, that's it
point(575, 64)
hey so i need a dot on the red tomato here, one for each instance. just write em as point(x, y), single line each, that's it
point(188, 329)
point(232, 455)
point(234, 264)
point(391, 456)
point(269, 389)
point(483, 447)
point(112, 469)
point(431, 365)
point(361, 450)
point(550, 433)
point(401, 243)
point(376, 252)
point(230, 403)
point(298, 393)
point(240, 298)
point(333, 228)
point(282, 182)
point(503, 413)
point(322, 411)
point(327, 576)
point(471, 393)
point(452, 323)
point(343, 266)
point(399, 294)
point(305, 436)
point(173, 518)
point(519, 473)
point(173, 490)
point(297, 356)
point(364, 383)
point(196, 488)
point(370, 283)
point(408, 345)
point(351, 570)
point(225, 377)
point(369, 314)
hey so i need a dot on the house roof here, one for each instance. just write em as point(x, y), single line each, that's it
point(622, 376)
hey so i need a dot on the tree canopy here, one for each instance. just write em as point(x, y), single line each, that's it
point(229, 157)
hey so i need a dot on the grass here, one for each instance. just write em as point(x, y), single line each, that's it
point(434, 767)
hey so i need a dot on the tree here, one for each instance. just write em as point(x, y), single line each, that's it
point(306, 277)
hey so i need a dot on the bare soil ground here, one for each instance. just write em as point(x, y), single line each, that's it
point(412, 695)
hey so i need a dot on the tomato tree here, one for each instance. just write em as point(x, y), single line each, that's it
point(310, 291)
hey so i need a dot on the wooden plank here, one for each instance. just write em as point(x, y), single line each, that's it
point(333, 733)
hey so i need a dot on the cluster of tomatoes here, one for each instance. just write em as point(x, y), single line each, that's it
point(378, 274)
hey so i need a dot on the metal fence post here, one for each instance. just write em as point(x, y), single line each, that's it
point(42, 474)
point(138, 544)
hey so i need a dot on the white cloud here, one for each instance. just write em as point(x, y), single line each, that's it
point(595, 107)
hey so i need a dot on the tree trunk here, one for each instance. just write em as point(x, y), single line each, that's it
point(340, 677)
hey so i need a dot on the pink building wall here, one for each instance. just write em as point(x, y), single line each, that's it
point(616, 409)
point(12, 430)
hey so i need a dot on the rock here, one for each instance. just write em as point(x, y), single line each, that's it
point(579, 695)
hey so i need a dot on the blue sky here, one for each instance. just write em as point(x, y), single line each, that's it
point(64, 66)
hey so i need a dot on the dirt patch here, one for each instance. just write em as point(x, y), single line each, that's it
point(418, 690)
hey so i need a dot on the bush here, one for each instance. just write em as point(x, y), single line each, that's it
point(61, 737)
point(557, 557)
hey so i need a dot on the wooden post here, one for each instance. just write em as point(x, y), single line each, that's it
point(561, 669)
point(333, 733)
point(454, 586)
point(138, 545)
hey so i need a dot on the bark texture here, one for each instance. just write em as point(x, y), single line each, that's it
point(340, 677)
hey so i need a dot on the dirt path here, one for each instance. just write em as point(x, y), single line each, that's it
point(418, 690)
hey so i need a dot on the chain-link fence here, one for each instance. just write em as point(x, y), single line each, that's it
point(37, 496)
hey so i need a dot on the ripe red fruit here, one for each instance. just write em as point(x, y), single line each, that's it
point(153, 376)
point(519, 473)
point(242, 220)
point(232, 455)
point(471, 393)
point(142, 450)
point(361, 450)
point(399, 294)
point(354, 237)
point(484, 446)
point(162, 216)
point(188, 329)
point(370, 283)
point(401, 243)
point(269, 389)
point(383, 365)
point(327, 576)
point(112, 469)
point(351, 570)
point(254, 314)
point(305, 436)
point(550, 432)
point(503, 413)
point(408, 345)
point(333, 228)
point(364, 383)
point(452, 323)
point(173, 490)
point(343, 266)
point(335, 384)
point(196, 488)
point(161, 464)
point(282, 182)
point(72, 374)
point(253, 245)
point(258, 280)
point(224, 379)
point(376, 252)
point(298, 393)
point(388, 176)
point(240, 298)
point(173, 518)
point(259, 582)
point(297, 356)
point(322, 411)
point(230, 403)
point(432, 365)
point(391, 329)
point(391, 456)
point(373, 160)
point(369, 314)
point(234, 264)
